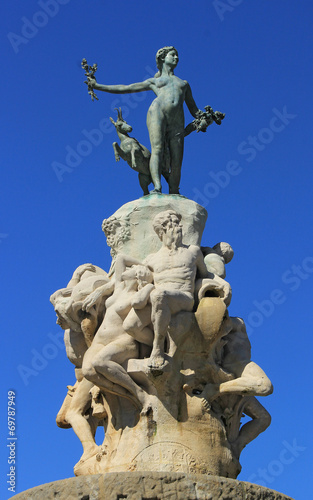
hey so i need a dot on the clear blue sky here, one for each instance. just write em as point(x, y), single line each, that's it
point(251, 60)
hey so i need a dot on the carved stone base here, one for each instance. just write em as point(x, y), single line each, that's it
point(129, 229)
point(178, 432)
point(149, 486)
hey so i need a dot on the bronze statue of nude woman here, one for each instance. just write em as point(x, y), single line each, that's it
point(165, 119)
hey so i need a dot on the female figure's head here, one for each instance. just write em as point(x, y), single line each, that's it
point(160, 58)
point(144, 276)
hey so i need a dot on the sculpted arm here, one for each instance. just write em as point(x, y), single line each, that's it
point(142, 296)
point(202, 271)
point(78, 274)
point(190, 102)
point(96, 296)
point(124, 89)
point(123, 261)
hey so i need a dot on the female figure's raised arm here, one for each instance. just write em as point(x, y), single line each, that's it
point(122, 262)
point(123, 89)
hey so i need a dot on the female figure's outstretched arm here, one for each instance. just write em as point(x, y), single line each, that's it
point(123, 89)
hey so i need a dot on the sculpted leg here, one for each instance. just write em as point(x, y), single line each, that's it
point(117, 151)
point(107, 363)
point(165, 303)
point(252, 382)
point(136, 324)
point(103, 368)
point(261, 419)
point(144, 181)
point(161, 317)
point(75, 416)
point(155, 163)
point(61, 416)
point(155, 124)
point(176, 154)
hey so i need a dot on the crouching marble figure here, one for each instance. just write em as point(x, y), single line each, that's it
point(158, 360)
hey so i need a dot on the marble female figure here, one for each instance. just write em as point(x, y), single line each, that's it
point(165, 119)
point(112, 345)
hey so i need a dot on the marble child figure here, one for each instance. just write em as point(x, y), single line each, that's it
point(165, 118)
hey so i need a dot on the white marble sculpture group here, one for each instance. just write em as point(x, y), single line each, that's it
point(158, 361)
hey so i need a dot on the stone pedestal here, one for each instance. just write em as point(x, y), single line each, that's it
point(129, 229)
point(149, 486)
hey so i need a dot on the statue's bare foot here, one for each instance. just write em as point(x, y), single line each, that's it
point(92, 452)
point(99, 411)
point(89, 453)
point(156, 191)
point(157, 364)
point(206, 405)
point(206, 395)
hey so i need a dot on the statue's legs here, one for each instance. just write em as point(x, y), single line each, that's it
point(252, 381)
point(102, 366)
point(261, 419)
point(165, 303)
point(144, 181)
point(75, 416)
point(176, 146)
point(156, 127)
point(136, 324)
